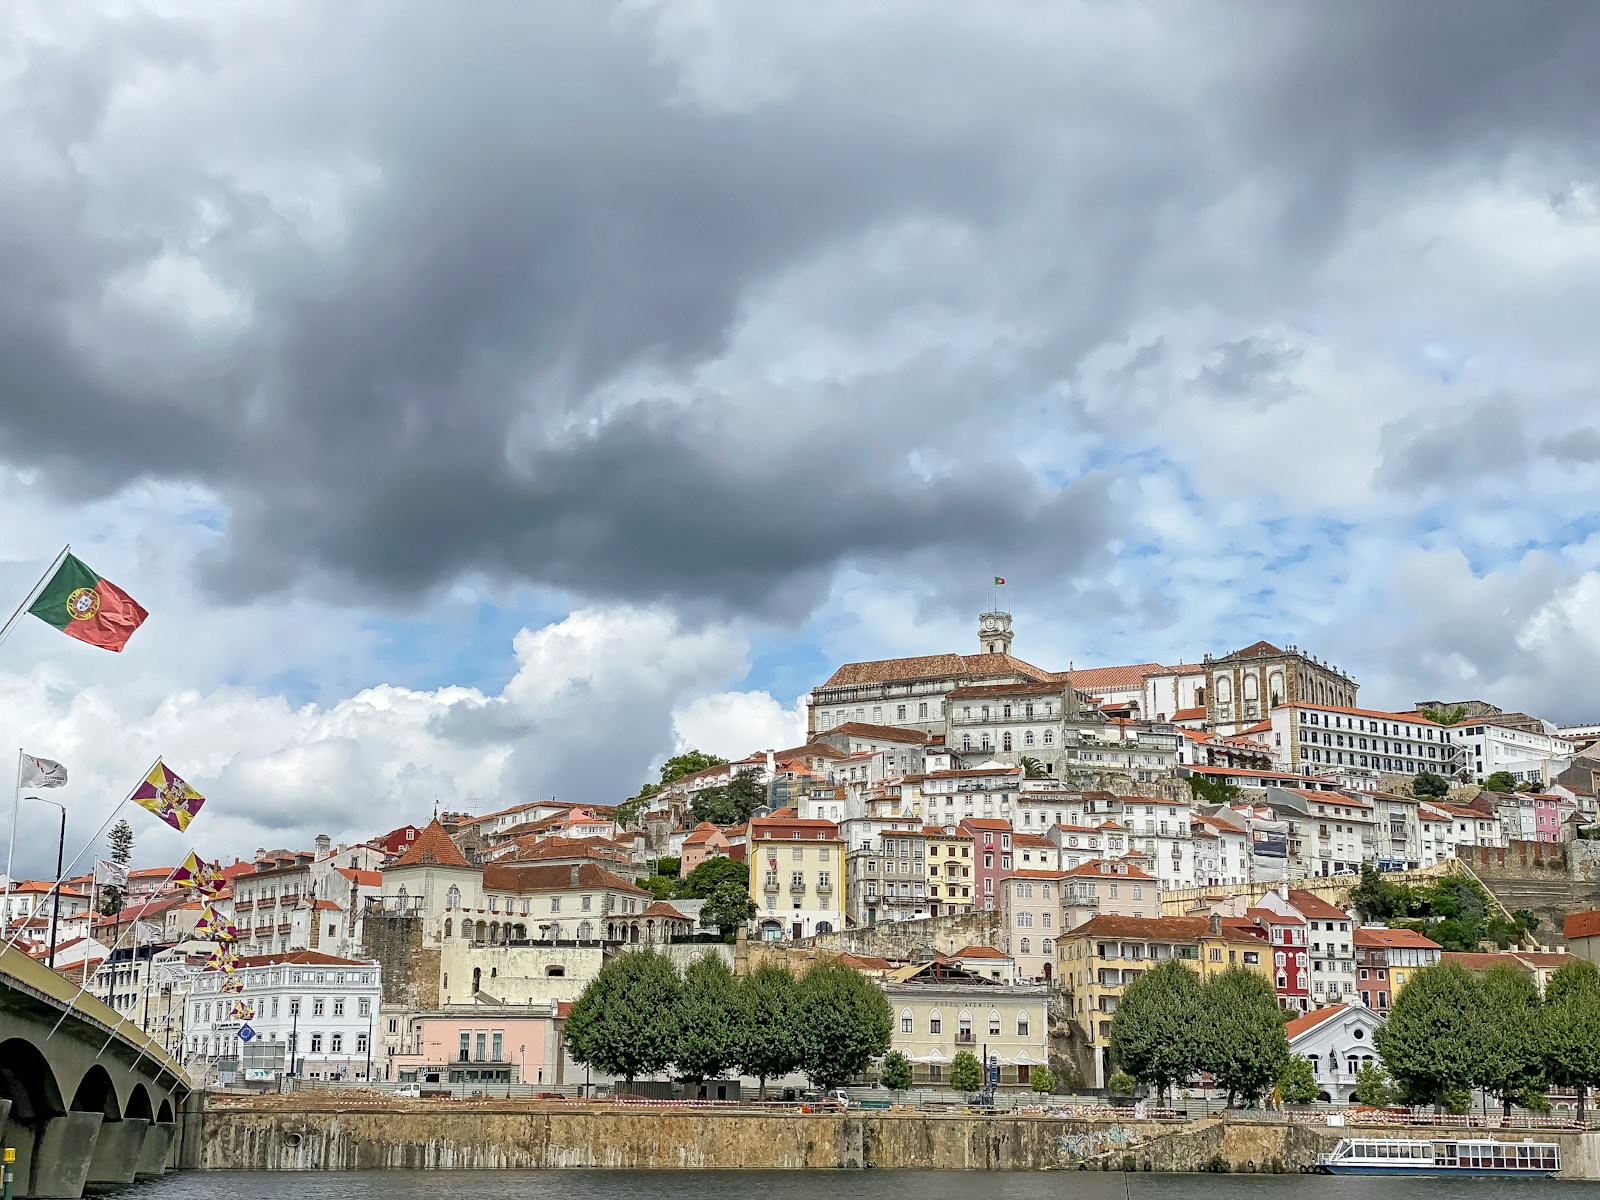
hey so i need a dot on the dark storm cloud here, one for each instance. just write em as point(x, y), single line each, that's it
point(1575, 447)
point(534, 207)
point(1452, 446)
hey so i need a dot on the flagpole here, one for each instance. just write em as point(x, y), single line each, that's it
point(110, 954)
point(104, 826)
point(11, 846)
point(33, 592)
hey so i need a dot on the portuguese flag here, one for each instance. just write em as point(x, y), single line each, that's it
point(84, 606)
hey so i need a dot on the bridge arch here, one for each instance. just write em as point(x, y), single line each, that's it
point(139, 1106)
point(28, 1082)
point(96, 1093)
point(164, 1114)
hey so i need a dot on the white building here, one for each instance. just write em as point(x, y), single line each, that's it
point(1309, 739)
point(1530, 756)
point(950, 797)
point(317, 1008)
point(1221, 852)
point(1338, 1041)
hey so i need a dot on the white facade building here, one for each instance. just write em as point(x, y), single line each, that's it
point(1310, 739)
point(1339, 1042)
point(1530, 757)
point(317, 1009)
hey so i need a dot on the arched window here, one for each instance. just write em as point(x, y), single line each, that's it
point(554, 972)
point(1252, 687)
point(1027, 737)
point(447, 927)
point(452, 898)
point(1049, 737)
point(966, 741)
point(824, 926)
point(907, 1022)
point(585, 932)
point(1005, 741)
point(964, 1026)
point(1224, 689)
point(935, 1021)
point(1048, 948)
point(994, 1013)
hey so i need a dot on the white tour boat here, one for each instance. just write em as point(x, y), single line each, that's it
point(1439, 1156)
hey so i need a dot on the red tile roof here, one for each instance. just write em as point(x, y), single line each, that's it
point(660, 908)
point(1309, 1021)
point(1408, 938)
point(934, 666)
point(433, 847)
point(1582, 925)
point(1093, 679)
point(553, 877)
point(1101, 869)
point(1191, 714)
point(881, 733)
point(976, 951)
point(1315, 907)
point(1480, 962)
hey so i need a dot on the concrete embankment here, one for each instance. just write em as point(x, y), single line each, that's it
point(284, 1138)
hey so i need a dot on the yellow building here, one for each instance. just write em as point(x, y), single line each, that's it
point(796, 876)
point(940, 1008)
point(949, 859)
point(1101, 957)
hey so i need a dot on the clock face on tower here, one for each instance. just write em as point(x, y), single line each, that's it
point(988, 622)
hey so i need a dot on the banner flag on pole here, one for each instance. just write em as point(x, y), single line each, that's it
point(110, 874)
point(41, 773)
point(82, 605)
point(164, 793)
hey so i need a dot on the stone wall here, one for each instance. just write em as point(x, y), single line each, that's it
point(410, 970)
point(286, 1139)
point(1548, 879)
point(916, 939)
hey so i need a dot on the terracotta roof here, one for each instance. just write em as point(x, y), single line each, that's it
point(1161, 929)
point(882, 733)
point(660, 908)
point(865, 962)
point(1101, 869)
point(1380, 714)
point(1480, 962)
point(1582, 925)
point(976, 951)
point(1091, 679)
point(1544, 960)
point(1309, 1021)
point(1190, 714)
point(1052, 875)
point(702, 832)
point(1256, 650)
point(984, 823)
point(1031, 841)
point(809, 750)
point(1268, 917)
point(433, 847)
point(983, 691)
point(1313, 906)
point(1408, 938)
point(361, 878)
point(553, 877)
point(934, 666)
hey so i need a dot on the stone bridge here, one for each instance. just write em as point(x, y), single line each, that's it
point(90, 1105)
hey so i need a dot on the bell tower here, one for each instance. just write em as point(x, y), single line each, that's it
point(994, 633)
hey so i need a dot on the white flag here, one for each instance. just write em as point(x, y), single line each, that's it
point(110, 874)
point(42, 773)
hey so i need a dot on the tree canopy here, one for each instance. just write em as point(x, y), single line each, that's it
point(1297, 1082)
point(1431, 1040)
point(966, 1072)
point(844, 1023)
point(733, 802)
point(769, 1038)
point(1427, 785)
point(1213, 791)
point(1243, 1041)
point(625, 1023)
point(895, 1073)
point(121, 839)
point(707, 1020)
point(1570, 1031)
point(1374, 1088)
point(1453, 715)
point(1455, 910)
point(1157, 1031)
point(702, 882)
point(1510, 1059)
point(728, 907)
point(1500, 781)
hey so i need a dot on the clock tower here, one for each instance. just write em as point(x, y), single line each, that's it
point(994, 633)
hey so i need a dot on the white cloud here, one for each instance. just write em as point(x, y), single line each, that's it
point(732, 724)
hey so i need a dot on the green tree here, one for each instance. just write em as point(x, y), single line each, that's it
point(707, 1020)
point(703, 882)
point(1042, 1081)
point(727, 908)
point(1213, 791)
point(1376, 898)
point(1122, 1084)
point(1571, 1028)
point(1510, 1061)
point(121, 839)
point(624, 1023)
point(627, 813)
point(1430, 1042)
point(844, 1023)
point(769, 1014)
point(1156, 1034)
point(966, 1072)
point(1426, 785)
point(895, 1072)
point(1243, 1041)
point(1374, 1087)
point(687, 763)
point(659, 886)
point(731, 804)
point(1500, 781)
point(1297, 1082)
point(1446, 716)
point(669, 867)
point(1032, 768)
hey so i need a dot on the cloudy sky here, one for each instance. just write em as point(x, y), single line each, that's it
point(488, 399)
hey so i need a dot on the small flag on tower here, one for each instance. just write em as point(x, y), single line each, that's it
point(999, 581)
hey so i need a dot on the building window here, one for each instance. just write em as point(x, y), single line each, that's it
point(316, 1043)
point(316, 1007)
point(337, 1046)
point(453, 898)
point(935, 1021)
point(1022, 1025)
point(906, 1021)
point(466, 1046)
point(338, 1007)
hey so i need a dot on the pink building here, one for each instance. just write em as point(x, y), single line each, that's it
point(991, 859)
point(478, 1044)
point(704, 841)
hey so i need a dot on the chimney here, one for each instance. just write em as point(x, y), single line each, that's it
point(324, 846)
point(1216, 923)
point(574, 874)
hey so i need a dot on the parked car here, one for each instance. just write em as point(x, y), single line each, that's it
point(408, 1091)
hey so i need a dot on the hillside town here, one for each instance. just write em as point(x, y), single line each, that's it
point(1002, 849)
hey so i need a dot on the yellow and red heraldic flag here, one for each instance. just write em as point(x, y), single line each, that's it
point(84, 606)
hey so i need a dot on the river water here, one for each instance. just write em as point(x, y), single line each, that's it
point(825, 1185)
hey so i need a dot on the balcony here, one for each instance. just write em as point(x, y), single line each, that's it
point(797, 889)
point(965, 1037)
point(771, 885)
point(824, 887)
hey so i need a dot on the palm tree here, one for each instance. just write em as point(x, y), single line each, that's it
point(1032, 768)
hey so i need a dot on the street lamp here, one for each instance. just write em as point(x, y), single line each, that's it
point(61, 847)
